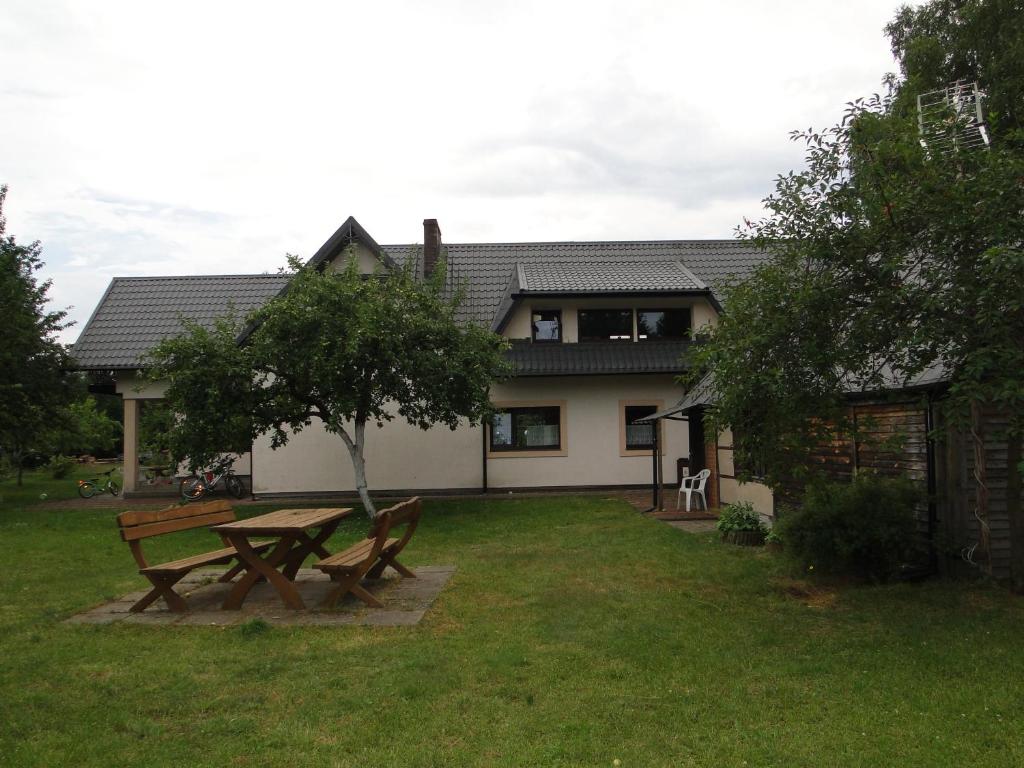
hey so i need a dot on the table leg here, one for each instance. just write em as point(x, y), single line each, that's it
point(257, 567)
point(307, 544)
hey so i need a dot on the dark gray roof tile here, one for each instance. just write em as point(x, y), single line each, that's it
point(531, 359)
point(136, 313)
point(606, 277)
point(483, 269)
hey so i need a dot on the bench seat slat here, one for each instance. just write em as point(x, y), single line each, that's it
point(351, 557)
point(206, 558)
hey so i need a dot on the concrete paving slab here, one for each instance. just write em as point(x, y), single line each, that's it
point(694, 526)
point(406, 601)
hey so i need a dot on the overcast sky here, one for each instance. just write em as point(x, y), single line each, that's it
point(211, 138)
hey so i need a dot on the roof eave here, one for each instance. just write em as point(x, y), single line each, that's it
point(95, 311)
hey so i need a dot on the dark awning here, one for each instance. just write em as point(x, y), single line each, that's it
point(701, 396)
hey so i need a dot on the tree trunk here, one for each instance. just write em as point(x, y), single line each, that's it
point(355, 450)
point(983, 555)
point(21, 471)
point(1013, 510)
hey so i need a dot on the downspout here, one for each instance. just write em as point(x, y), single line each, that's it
point(252, 461)
point(654, 468)
point(252, 470)
point(483, 453)
point(933, 517)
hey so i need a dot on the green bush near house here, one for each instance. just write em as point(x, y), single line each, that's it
point(740, 517)
point(865, 529)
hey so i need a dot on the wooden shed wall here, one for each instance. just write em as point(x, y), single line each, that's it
point(895, 442)
point(956, 495)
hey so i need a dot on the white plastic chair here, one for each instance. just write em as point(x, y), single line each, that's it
point(693, 486)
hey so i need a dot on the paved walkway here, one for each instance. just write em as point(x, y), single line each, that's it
point(405, 602)
point(693, 526)
point(639, 499)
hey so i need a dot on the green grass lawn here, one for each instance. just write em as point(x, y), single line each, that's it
point(574, 633)
point(40, 486)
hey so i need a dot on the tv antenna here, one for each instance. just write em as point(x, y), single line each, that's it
point(951, 119)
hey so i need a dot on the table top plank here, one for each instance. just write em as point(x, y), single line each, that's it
point(284, 521)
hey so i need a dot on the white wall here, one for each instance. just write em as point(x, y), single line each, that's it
point(368, 263)
point(732, 490)
point(131, 387)
point(592, 432)
point(399, 456)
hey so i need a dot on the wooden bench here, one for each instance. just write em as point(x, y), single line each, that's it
point(373, 554)
point(136, 526)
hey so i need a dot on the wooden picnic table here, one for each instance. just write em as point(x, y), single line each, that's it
point(281, 563)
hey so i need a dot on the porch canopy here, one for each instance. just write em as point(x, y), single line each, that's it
point(698, 398)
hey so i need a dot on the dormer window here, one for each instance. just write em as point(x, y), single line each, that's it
point(662, 324)
point(547, 325)
point(606, 324)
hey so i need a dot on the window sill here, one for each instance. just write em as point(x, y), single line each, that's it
point(526, 454)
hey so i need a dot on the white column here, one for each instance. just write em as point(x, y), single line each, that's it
point(131, 445)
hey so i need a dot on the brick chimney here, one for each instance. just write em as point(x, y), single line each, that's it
point(431, 246)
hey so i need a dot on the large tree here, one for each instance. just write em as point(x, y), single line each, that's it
point(33, 387)
point(889, 258)
point(341, 348)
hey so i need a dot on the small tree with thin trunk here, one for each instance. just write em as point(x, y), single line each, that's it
point(342, 348)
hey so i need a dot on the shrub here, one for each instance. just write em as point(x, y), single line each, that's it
point(740, 517)
point(774, 536)
point(60, 466)
point(866, 528)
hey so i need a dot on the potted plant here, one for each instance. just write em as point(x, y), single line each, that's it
point(741, 524)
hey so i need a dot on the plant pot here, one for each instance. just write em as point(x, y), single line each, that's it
point(744, 538)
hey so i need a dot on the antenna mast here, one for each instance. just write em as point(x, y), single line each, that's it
point(951, 119)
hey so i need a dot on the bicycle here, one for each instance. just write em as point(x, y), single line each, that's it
point(195, 487)
point(87, 488)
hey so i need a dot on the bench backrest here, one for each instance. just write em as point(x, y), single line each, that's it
point(406, 513)
point(141, 525)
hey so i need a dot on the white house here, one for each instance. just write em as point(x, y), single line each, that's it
point(599, 332)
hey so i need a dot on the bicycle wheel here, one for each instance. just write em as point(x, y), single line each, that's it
point(234, 486)
point(114, 488)
point(192, 489)
point(86, 490)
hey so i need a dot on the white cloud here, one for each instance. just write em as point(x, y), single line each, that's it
point(214, 137)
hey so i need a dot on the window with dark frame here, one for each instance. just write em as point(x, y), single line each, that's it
point(639, 437)
point(546, 325)
point(536, 428)
point(605, 324)
point(663, 324)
